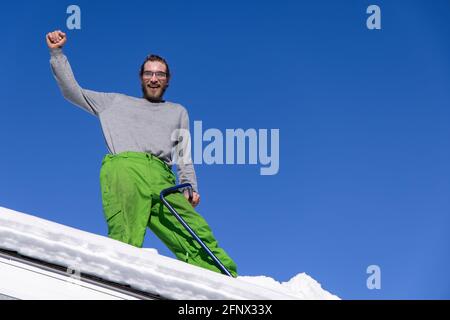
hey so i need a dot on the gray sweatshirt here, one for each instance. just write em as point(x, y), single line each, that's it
point(129, 123)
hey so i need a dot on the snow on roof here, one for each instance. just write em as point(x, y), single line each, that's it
point(143, 270)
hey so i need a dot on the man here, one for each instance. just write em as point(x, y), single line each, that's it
point(139, 134)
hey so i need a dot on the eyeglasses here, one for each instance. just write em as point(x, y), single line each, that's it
point(159, 74)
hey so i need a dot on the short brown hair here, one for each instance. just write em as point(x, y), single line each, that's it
point(154, 57)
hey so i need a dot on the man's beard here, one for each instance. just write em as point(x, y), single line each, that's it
point(157, 97)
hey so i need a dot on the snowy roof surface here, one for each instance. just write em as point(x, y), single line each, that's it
point(141, 269)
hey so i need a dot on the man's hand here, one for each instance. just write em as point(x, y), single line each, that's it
point(56, 39)
point(195, 198)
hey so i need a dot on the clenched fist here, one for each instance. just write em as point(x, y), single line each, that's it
point(56, 39)
point(195, 198)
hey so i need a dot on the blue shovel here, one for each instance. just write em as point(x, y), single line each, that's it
point(174, 189)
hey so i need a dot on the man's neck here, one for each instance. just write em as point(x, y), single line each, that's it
point(153, 100)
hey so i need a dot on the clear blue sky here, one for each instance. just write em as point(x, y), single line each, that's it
point(363, 116)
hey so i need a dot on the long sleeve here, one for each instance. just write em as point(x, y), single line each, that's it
point(185, 166)
point(91, 101)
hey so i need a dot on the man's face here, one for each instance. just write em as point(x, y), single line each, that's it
point(154, 80)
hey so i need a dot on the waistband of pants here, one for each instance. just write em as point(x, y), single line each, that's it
point(138, 155)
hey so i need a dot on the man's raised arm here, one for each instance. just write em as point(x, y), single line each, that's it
point(91, 101)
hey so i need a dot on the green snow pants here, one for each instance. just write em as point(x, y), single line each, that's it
point(131, 183)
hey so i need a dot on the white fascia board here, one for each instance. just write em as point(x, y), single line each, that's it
point(22, 281)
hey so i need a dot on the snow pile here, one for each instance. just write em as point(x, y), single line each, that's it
point(143, 269)
point(302, 286)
